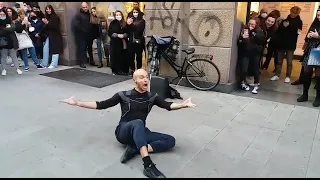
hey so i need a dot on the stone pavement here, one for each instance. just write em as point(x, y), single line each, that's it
point(224, 136)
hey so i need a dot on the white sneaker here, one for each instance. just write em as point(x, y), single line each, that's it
point(12, 65)
point(19, 71)
point(274, 78)
point(50, 67)
point(255, 90)
point(287, 80)
point(245, 87)
point(252, 84)
point(4, 72)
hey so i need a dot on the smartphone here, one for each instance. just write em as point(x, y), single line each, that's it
point(246, 31)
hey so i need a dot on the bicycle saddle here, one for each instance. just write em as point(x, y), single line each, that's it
point(189, 51)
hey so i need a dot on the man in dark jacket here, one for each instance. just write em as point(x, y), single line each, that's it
point(286, 41)
point(81, 25)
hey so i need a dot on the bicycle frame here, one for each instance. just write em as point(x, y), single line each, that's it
point(180, 70)
point(177, 68)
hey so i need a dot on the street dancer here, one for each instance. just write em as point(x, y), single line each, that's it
point(131, 131)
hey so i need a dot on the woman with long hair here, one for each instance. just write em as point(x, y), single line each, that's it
point(312, 41)
point(13, 15)
point(32, 50)
point(53, 46)
point(270, 26)
point(95, 34)
point(251, 44)
point(8, 41)
point(118, 45)
point(136, 38)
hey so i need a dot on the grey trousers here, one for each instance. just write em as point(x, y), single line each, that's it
point(289, 57)
point(9, 52)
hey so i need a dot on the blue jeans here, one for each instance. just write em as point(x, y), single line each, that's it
point(99, 49)
point(135, 133)
point(33, 54)
point(46, 55)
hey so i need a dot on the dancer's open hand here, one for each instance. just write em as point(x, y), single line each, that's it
point(188, 103)
point(70, 101)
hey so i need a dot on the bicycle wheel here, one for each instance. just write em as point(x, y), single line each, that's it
point(202, 74)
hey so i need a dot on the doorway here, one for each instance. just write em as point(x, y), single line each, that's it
point(279, 91)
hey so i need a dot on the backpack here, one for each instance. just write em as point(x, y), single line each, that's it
point(173, 93)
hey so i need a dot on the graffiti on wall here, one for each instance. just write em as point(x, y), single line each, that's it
point(207, 29)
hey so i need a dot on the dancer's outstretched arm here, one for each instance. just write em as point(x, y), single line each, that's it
point(185, 104)
point(173, 106)
point(94, 104)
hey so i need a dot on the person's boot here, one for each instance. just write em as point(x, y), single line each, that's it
point(83, 66)
point(100, 65)
point(152, 172)
point(306, 86)
point(91, 61)
point(297, 82)
point(128, 154)
point(300, 80)
point(108, 62)
point(150, 169)
point(316, 102)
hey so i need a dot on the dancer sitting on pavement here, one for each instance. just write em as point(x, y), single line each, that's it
point(131, 131)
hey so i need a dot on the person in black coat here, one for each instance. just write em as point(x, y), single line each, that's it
point(53, 36)
point(95, 33)
point(8, 41)
point(312, 41)
point(136, 39)
point(118, 45)
point(81, 27)
point(36, 34)
point(286, 41)
point(251, 44)
point(269, 27)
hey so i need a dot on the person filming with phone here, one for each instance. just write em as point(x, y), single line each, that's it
point(286, 38)
point(136, 26)
point(251, 45)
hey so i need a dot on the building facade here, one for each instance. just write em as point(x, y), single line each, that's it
point(209, 27)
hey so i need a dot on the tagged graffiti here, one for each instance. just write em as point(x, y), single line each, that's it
point(206, 27)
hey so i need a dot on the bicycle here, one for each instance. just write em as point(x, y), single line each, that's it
point(189, 64)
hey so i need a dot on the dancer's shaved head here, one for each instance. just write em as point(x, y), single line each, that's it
point(140, 77)
point(139, 72)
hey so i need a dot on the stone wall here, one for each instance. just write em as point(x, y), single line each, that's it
point(206, 26)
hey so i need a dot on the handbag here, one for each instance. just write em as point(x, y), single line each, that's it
point(314, 57)
point(24, 40)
